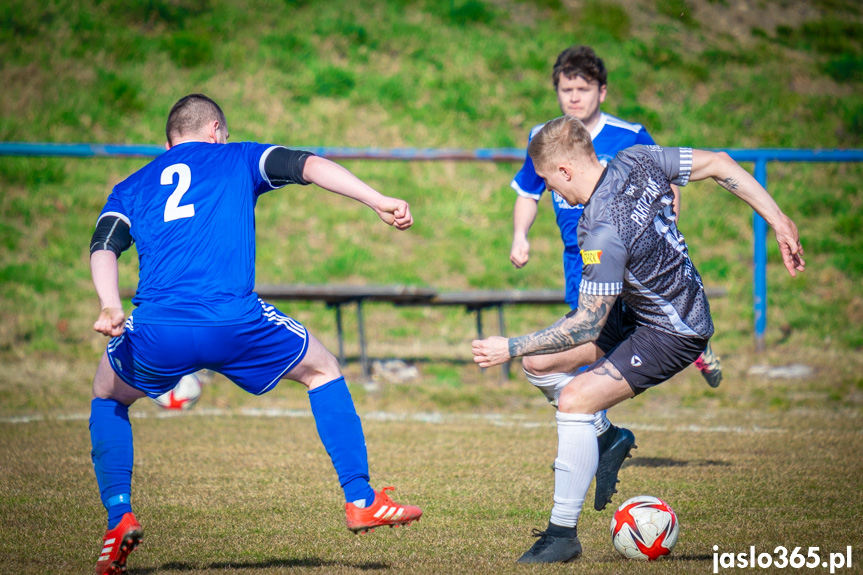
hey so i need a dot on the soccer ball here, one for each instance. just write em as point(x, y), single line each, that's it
point(644, 528)
point(184, 395)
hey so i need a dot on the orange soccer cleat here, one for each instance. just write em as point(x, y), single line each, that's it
point(384, 511)
point(117, 544)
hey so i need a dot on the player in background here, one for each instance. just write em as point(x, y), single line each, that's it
point(580, 81)
point(191, 213)
point(642, 312)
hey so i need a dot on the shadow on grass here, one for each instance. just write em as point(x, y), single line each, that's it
point(669, 462)
point(300, 562)
point(702, 557)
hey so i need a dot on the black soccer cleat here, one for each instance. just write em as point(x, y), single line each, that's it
point(613, 450)
point(555, 545)
point(709, 366)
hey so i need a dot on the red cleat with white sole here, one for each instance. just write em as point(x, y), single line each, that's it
point(117, 544)
point(384, 511)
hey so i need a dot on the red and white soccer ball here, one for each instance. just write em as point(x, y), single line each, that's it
point(645, 528)
point(185, 394)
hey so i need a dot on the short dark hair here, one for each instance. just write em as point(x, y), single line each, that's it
point(190, 114)
point(579, 61)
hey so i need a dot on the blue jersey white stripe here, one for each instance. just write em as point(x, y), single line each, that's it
point(618, 123)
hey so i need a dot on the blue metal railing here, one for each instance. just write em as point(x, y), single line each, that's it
point(760, 157)
point(759, 249)
point(335, 153)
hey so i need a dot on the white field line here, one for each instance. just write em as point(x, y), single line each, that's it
point(493, 419)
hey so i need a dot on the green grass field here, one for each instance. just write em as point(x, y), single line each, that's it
point(758, 461)
point(249, 489)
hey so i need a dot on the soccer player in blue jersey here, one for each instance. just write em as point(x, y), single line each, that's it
point(580, 81)
point(642, 312)
point(191, 214)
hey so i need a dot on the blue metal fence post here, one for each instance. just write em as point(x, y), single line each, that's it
point(760, 259)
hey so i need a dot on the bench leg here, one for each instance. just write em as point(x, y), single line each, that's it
point(364, 360)
point(340, 333)
point(504, 368)
point(479, 329)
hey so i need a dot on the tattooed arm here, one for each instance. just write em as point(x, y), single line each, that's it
point(567, 333)
point(731, 176)
point(581, 328)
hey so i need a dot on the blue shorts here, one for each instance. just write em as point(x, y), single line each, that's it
point(255, 355)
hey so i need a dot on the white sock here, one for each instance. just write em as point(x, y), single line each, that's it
point(550, 385)
point(575, 466)
point(361, 503)
point(600, 422)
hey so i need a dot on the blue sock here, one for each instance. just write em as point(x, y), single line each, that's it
point(341, 433)
point(111, 436)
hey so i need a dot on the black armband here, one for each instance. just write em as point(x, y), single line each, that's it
point(283, 166)
point(113, 233)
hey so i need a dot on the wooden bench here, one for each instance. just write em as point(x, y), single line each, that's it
point(335, 296)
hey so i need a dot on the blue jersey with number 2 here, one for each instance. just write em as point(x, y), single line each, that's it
point(192, 216)
point(610, 136)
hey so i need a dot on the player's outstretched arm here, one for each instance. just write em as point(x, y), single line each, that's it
point(731, 176)
point(583, 327)
point(523, 215)
point(335, 178)
point(103, 268)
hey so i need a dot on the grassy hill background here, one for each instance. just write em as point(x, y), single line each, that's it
point(459, 73)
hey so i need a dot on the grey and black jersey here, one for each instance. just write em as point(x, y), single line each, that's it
point(631, 246)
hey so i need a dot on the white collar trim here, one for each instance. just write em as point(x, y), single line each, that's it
point(599, 126)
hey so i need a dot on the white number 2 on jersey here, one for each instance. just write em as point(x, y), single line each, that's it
point(173, 209)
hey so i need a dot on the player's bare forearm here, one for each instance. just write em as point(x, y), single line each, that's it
point(731, 176)
point(337, 179)
point(581, 328)
point(523, 216)
point(103, 267)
